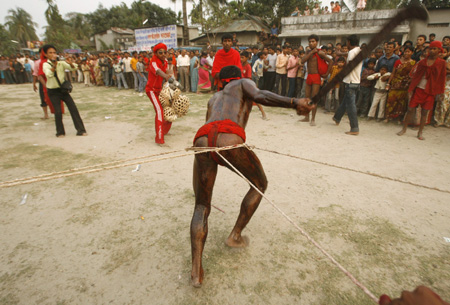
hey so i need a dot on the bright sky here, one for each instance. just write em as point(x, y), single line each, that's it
point(36, 8)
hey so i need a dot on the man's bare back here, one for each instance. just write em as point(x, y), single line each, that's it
point(236, 100)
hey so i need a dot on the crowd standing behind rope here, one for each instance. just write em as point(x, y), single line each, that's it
point(385, 75)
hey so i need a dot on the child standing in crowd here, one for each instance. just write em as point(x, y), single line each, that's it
point(428, 80)
point(365, 89)
point(28, 70)
point(307, 12)
point(332, 101)
point(380, 95)
point(86, 72)
point(316, 9)
point(140, 68)
point(118, 71)
point(170, 67)
point(258, 70)
point(247, 73)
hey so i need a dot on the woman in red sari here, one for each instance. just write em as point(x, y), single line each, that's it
point(204, 84)
point(398, 83)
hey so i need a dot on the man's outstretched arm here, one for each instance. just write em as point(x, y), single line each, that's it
point(271, 99)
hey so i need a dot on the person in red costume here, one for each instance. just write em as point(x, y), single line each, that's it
point(420, 296)
point(428, 80)
point(156, 75)
point(225, 57)
point(226, 117)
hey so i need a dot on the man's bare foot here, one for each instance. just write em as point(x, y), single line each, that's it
point(45, 118)
point(265, 118)
point(420, 137)
point(197, 279)
point(312, 123)
point(386, 121)
point(352, 133)
point(163, 145)
point(84, 134)
point(242, 242)
point(60, 136)
point(401, 132)
point(306, 119)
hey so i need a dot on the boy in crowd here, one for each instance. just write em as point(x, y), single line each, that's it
point(300, 75)
point(332, 101)
point(247, 73)
point(316, 61)
point(379, 98)
point(118, 72)
point(428, 80)
point(258, 70)
point(365, 89)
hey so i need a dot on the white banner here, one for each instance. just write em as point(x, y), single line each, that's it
point(147, 38)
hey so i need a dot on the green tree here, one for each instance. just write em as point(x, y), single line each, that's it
point(7, 47)
point(21, 26)
point(122, 16)
point(79, 25)
point(57, 32)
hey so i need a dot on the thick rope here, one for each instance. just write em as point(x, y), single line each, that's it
point(356, 171)
point(304, 233)
point(90, 169)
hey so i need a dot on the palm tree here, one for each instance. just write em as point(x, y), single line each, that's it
point(21, 26)
point(185, 22)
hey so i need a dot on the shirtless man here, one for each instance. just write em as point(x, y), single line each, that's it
point(226, 118)
point(313, 81)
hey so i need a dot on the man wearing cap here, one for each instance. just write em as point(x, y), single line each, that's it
point(225, 57)
point(156, 75)
point(227, 115)
point(427, 81)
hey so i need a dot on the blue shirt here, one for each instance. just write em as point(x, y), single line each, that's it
point(274, 31)
point(388, 62)
point(27, 67)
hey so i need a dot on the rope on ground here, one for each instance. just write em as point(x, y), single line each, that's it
point(355, 170)
point(304, 233)
point(93, 169)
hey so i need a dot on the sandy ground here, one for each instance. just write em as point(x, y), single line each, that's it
point(122, 237)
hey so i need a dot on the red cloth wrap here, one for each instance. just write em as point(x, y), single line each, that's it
point(322, 65)
point(41, 73)
point(223, 59)
point(435, 75)
point(213, 129)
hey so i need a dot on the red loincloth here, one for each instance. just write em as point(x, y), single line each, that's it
point(213, 129)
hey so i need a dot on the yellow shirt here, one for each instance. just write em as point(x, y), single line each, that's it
point(281, 64)
point(133, 63)
point(52, 83)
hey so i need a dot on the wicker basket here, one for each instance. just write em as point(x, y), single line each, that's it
point(169, 114)
point(181, 105)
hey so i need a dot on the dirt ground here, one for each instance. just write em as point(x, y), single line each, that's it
point(122, 237)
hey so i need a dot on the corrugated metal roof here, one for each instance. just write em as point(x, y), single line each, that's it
point(123, 31)
point(242, 26)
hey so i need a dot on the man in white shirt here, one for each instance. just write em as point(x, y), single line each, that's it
point(270, 74)
point(351, 83)
point(126, 60)
point(183, 64)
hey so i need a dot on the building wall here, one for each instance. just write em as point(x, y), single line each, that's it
point(438, 23)
point(108, 38)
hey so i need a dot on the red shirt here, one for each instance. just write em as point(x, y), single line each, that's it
point(155, 81)
point(247, 71)
point(435, 75)
point(223, 59)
